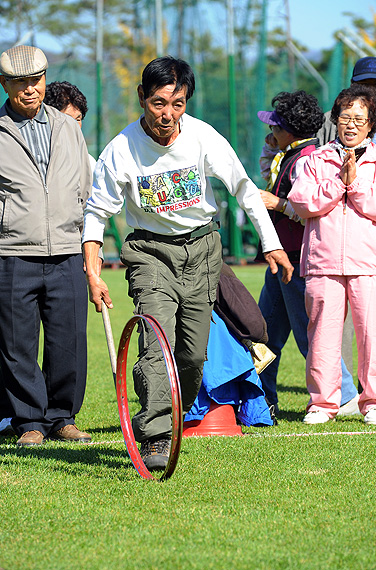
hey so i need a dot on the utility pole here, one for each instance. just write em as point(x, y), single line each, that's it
point(290, 53)
point(234, 233)
point(158, 28)
point(111, 229)
point(99, 62)
point(231, 75)
point(258, 138)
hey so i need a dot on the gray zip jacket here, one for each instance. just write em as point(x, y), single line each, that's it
point(37, 218)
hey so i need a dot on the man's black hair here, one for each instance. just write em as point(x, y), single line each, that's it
point(366, 94)
point(60, 94)
point(168, 70)
point(300, 111)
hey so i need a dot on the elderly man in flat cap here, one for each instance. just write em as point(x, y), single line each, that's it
point(45, 179)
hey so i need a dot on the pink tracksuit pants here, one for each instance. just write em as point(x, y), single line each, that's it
point(326, 305)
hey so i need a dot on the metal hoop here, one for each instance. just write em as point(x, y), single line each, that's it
point(122, 398)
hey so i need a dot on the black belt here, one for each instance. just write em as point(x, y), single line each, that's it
point(181, 238)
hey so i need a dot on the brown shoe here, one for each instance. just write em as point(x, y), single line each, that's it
point(30, 438)
point(71, 433)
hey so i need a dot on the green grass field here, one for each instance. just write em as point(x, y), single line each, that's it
point(284, 497)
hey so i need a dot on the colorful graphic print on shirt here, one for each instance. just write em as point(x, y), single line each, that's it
point(170, 191)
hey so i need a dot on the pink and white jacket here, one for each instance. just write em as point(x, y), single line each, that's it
point(340, 232)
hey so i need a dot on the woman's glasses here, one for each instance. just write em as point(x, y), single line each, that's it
point(358, 122)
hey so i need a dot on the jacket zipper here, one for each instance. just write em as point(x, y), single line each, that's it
point(48, 232)
point(344, 232)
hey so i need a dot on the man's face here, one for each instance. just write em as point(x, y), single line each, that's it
point(163, 109)
point(25, 94)
point(73, 112)
point(284, 138)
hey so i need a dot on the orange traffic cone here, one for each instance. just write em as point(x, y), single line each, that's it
point(220, 420)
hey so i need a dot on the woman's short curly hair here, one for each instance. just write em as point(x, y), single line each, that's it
point(366, 94)
point(300, 111)
point(60, 94)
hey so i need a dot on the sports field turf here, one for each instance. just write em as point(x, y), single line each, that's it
point(284, 497)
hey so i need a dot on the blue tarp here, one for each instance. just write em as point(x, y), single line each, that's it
point(230, 378)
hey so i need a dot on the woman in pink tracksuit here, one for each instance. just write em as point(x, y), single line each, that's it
point(336, 194)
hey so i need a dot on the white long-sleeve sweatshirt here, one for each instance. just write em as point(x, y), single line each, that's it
point(166, 188)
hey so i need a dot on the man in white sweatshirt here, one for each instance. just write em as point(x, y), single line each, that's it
point(159, 165)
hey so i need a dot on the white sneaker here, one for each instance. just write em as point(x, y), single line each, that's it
point(317, 417)
point(350, 408)
point(370, 417)
point(6, 426)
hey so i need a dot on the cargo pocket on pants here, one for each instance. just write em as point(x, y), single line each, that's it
point(214, 264)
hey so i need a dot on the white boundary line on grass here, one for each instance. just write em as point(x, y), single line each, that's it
point(104, 443)
point(311, 434)
point(261, 435)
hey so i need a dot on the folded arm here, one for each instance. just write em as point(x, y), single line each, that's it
point(313, 196)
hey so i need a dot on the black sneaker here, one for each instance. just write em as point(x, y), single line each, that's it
point(155, 453)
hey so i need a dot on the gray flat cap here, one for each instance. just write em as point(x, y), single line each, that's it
point(22, 61)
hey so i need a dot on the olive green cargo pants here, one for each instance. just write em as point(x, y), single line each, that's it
point(176, 283)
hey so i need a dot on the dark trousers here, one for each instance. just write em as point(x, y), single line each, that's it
point(5, 407)
point(51, 291)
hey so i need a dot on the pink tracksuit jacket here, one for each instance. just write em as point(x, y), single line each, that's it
point(340, 232)
point(338, 259)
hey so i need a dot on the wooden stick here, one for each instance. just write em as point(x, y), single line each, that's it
point(109, 338)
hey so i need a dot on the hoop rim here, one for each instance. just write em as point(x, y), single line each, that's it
point(122, 398)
